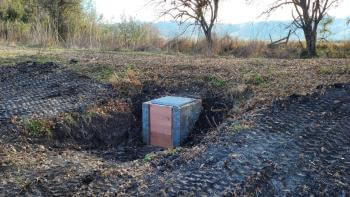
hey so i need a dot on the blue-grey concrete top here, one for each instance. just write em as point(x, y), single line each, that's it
point(172, 101)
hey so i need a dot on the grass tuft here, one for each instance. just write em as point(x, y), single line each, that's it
point(38, 127)
point(104, 74)
point(149, 157)
point(216, 82)
point(238, 127)
point(254, 79)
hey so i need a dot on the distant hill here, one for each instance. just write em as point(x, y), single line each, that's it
point(257, 31)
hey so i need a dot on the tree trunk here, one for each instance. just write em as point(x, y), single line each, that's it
point(311, 41)
point(209, 39)
point(62, 26)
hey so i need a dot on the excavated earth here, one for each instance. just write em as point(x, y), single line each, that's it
point(299, 146)
point(35, 89)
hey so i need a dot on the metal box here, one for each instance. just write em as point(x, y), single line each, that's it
point(167, 121)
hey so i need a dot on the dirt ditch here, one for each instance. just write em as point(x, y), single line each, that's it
point(217, 103)
point(298, 146)
point(59, 107)
point(107, 117)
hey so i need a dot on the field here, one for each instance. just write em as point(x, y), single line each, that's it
point(268, 126)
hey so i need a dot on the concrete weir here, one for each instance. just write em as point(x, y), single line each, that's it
point(167, 121)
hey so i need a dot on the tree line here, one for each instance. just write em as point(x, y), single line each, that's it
point(60, 16)
point(71, 23)
point(66, 19)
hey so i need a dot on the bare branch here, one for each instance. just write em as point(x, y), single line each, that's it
point(201, 12)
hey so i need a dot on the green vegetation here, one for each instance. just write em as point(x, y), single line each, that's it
point(69, 119)
point(42, 21)
point(88, 115)
point(38, 127)
point(216, 82)
point(107, 74)
point(326, 70)
point(149, 157)
point(74, 23)
point(129, 70)
point(254, 79)
point(238, 127)
point(103, 73)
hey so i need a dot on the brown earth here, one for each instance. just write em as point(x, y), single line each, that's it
point(231, 89)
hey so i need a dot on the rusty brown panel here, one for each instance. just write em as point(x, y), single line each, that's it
point(160, 125)
point(161, 140)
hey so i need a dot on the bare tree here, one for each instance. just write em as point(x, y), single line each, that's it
point(307, 15)
point(197, 12)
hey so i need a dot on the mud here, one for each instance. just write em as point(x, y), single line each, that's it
point(300, 146)
point(45, 91)
point(297, 147)
point(32, 89)
point(97, 131)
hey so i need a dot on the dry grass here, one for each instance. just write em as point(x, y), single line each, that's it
point(86, 33)
point(231, 46)
point(131, 36)
point(268, 79)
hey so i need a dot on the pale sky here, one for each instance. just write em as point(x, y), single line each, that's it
point(231, 11)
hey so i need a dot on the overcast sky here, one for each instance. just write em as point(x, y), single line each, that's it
point(231, 11)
